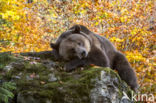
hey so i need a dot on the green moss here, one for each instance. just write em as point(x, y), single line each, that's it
point(8, 75)
point(52, 85)
point(36, 68)
point(67, 85)
point(43, 78)
point(77, 87)
point(45, 93)
point(5, 58)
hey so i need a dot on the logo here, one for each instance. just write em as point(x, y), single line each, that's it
point(138, 97)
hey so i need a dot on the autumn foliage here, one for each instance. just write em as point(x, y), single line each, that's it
point(129, 24)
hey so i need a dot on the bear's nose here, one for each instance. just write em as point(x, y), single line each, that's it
point(83, 54)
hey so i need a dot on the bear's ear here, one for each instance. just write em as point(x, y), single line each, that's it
point(77, 29)
point(53, 45)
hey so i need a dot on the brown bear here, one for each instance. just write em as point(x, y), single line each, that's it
point(81, 47)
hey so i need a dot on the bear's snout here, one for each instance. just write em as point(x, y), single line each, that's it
point(81, 52)
point(84, 54)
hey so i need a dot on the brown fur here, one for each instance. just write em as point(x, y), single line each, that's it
point(99, 51)
point(74, 46)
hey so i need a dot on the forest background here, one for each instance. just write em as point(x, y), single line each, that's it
point(129, 24)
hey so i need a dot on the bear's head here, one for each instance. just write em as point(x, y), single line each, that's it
point(64, 35)
point(74, 46)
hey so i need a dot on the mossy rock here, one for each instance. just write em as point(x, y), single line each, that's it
point(40, 82)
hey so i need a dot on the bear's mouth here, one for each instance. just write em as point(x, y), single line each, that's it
point(79, 56)
point(82, 55)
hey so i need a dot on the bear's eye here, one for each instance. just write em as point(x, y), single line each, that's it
point(72, 50)
point(79, 43)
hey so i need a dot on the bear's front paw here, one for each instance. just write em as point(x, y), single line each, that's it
point(69, 67)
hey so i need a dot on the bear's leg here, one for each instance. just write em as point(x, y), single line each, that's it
point(99, 58)
point(96, 57)
point(55, 54)
point(125, 71)
point(73, 64)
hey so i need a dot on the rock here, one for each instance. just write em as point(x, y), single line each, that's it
point(16, 77)
point(21, 98)
point(106, 89)
point(52, 78)
point(18, 65)
point(28, 78)
point(38, 83)
point(8, 68)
